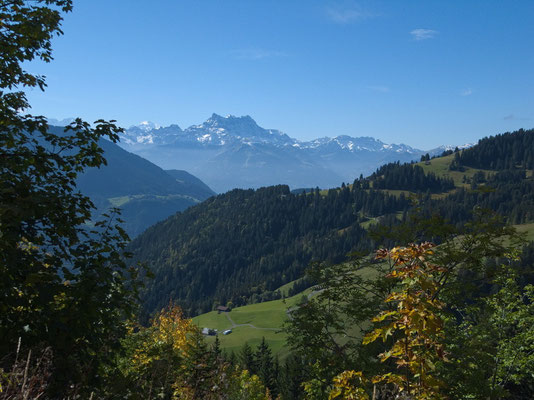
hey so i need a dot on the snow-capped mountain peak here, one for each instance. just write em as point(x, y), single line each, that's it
point(62, 122)
point(149, 133)
point(230, 151)
point(147, 126)
point(220, 130)
point(448, 147)
point(356, 144)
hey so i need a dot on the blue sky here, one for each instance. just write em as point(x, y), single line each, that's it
point(423, 73)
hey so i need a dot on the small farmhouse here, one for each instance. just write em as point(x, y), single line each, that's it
point(221, 309)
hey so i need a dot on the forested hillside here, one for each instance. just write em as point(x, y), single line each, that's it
point(505, 193)
point(240, 246)
point(509, 150)
point(409, 177)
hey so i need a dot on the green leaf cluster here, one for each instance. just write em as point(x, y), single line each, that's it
point(65, 287)
point(454, 321)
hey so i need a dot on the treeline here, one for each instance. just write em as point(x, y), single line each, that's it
point(237, 246)
point(500, 152)
point(508, 193)
point(409, 177)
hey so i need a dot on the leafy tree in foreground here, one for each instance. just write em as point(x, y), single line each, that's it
point(65, 288)
point(169, 360)
point(415, 324)
point(423, 302)
point(327, 329)
point(492, 349)
point(489, 354)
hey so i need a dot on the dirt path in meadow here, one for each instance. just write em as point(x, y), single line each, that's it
point(234, 325)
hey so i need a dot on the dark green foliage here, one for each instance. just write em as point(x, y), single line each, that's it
point(284, 380)
point(243, 244)
point(216, 348)
point(489, 338)
point(327, 330)
point(294, 372)
point(247, 359)
point(27, 30)
point(65, 288)
point(513, 198)
point(508, 176)
point(299, 286)
point(409, 177)
point(266, 368)
point(425, 157)
point(504, 151)
point(64, 285)
point(201, 366)
point(509, 193)
point(231, 358)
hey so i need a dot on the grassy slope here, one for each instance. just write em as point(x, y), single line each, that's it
point(123, 200)
point(270, 316)
point(528, 229)
point(440, 167)
point(284, 289)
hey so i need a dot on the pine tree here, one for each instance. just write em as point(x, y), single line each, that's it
point(232, 359)
point(247, 359)
point(216, 348)
point(293, 374)
point(264, 360)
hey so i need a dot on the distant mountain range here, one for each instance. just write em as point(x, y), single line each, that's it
point(234, 152)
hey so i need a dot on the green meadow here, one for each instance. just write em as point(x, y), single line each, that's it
point(254, 322)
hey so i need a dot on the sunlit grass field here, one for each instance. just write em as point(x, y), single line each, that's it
point(269, 317)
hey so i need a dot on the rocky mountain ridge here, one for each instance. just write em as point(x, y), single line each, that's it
point(229, 152)
point(219, 131)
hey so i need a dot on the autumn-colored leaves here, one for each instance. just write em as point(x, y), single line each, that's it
point(411, 320)
point(170, 360)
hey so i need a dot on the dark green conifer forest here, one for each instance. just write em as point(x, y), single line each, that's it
point(409, 177)
point(244, 244)
point(507, 151)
